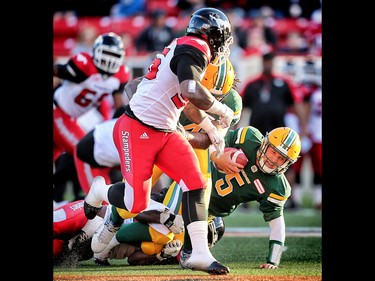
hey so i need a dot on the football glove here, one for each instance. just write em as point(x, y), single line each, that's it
point(215, 137)
point(170, 250)
point(174, 222)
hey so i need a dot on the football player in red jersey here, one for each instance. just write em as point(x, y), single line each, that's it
point(68, 221)
point(146, 134)
point(87, 79)
point(73, 234)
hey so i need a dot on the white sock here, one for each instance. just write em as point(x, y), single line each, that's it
point(201, 254)
point(101, 192)
point(104, 193)
point(92, 225)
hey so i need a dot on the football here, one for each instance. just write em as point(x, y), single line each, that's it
point(237, 155)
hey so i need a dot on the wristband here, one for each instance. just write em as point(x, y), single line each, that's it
point(275, 252)
point(206, 124)
point(217, 108)
point(169, 222)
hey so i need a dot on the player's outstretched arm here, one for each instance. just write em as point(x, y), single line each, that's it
point(276, 243)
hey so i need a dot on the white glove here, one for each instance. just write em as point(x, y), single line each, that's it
point(174, 222)
point(226, 114)
point(217, 140)
point(170, 250)
point(215, 137)
point(227, 117)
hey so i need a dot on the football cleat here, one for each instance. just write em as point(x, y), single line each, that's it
point(100, 262)
point(92, 205)
point(77, 241)
point(103, 235)
point(184, 256)
point(215, 268)
point(104, 255)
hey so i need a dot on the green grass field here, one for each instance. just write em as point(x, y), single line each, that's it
point(302, 255)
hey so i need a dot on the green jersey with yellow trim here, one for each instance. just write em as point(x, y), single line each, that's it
point(251, 184)
point(233, 100)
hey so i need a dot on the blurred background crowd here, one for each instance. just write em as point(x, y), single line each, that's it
point(286, 32)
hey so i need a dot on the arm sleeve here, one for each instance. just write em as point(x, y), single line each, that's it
point(188, 63)
point(276, 241)
point(277, 227)
point(71, 72)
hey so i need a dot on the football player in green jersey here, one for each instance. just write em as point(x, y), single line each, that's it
point(261, 180)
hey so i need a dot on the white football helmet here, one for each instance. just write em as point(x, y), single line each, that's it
point(108, 52)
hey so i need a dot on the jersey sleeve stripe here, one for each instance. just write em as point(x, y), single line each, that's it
point(241, 134)
point(278, 197)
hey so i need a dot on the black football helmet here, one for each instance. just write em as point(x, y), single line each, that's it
point(108, 52)
point(216, 229)
point(214, 26)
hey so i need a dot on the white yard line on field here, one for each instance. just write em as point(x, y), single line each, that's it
point(264, 231)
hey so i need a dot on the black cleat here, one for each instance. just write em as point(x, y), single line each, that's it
point(90, 211)
point(99, 262)
point(217, 268)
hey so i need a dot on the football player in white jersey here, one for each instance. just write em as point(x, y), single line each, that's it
point(98, 151)
point(146, 134)
point(86, 81)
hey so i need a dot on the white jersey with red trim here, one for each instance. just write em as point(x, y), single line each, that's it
point(158, 101)
point(75, 99)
